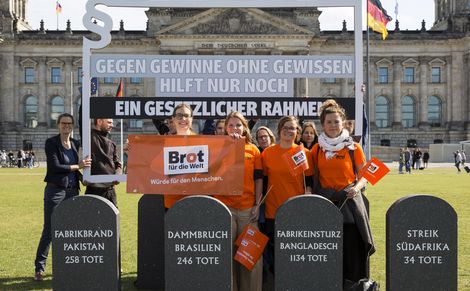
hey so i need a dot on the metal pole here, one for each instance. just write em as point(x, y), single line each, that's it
point(71, 95)
point(368, 149)
point(122, 133)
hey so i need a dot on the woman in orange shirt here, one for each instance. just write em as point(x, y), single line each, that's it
point(337, 159)
point(281, 180)
point(244, 208)
point(182, 120)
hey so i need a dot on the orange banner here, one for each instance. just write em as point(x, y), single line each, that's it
point(185, 165)
point(374, 170)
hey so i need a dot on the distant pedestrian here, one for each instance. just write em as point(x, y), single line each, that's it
point(464, 157)
point(425, 158)
point(407, 160)
point(19, 158)
point(417, 158)
point(458, 160)
point(401, 161)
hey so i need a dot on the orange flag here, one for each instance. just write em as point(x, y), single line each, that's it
point(297, 160)
point(373, 171)
point(251, 244)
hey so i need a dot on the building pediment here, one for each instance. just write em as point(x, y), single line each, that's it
point(384, 62)
point(77, 63)
point(55, 62)
point(234, 21)
point(28, 63)
point(437, 62)
point(410, 62)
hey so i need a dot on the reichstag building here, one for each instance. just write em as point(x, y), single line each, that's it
point(419, 79)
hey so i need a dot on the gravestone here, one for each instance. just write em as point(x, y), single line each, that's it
point(308, 245)
point(85, 244)
point(198, 245)
point(150, 243)
point(421, 245)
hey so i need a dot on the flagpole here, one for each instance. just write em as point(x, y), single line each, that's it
point(71, 95)
point(305, 183)
point(122, 133)
point(368, 149)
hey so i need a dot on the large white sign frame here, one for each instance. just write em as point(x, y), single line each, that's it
point(104, 31)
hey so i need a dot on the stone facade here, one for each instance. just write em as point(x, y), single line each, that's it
point(419, 80)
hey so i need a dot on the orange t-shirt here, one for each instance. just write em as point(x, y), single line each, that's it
point(337, 172)
point(284, 184)
point(247, 199)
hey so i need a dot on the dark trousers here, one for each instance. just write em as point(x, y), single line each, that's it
point(53, 196)
point(108, 193)
point(268, 255)
point(354, 254)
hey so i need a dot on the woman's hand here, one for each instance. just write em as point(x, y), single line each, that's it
point(236, 136)
point(352, 192)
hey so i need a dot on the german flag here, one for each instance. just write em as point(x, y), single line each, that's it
point(119, 89)
point(58, 7)
point(377, 17)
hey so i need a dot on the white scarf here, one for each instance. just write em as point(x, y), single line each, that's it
point(332, 145)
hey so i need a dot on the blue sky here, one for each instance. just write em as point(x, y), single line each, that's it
point(410, 15)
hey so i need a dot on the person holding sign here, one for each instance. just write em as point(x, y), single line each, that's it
point(105, 160)
point(338, 159)
point(245, 208)
point(182, 120)
point(285, 181)
point(62, 182)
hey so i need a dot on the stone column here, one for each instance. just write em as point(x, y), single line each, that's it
point(7, 87)
point(395, 105)
point(423, 92)
point(344, 87)
point(17, 100)
point(68, 87)
point(198, 124)
point(467, 91)
point(314, 83)
point(42, 98)
point(372, 91)
point(456, 84)
point(149, 89)
point(300, 84)
point(447, 91)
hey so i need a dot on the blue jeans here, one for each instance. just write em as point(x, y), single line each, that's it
point(53, 195)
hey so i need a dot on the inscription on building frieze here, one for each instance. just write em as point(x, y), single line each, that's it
point(234, 45)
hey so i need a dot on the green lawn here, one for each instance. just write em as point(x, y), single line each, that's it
point(21, 211)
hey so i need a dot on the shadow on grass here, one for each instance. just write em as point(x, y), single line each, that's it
point(27, 283)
